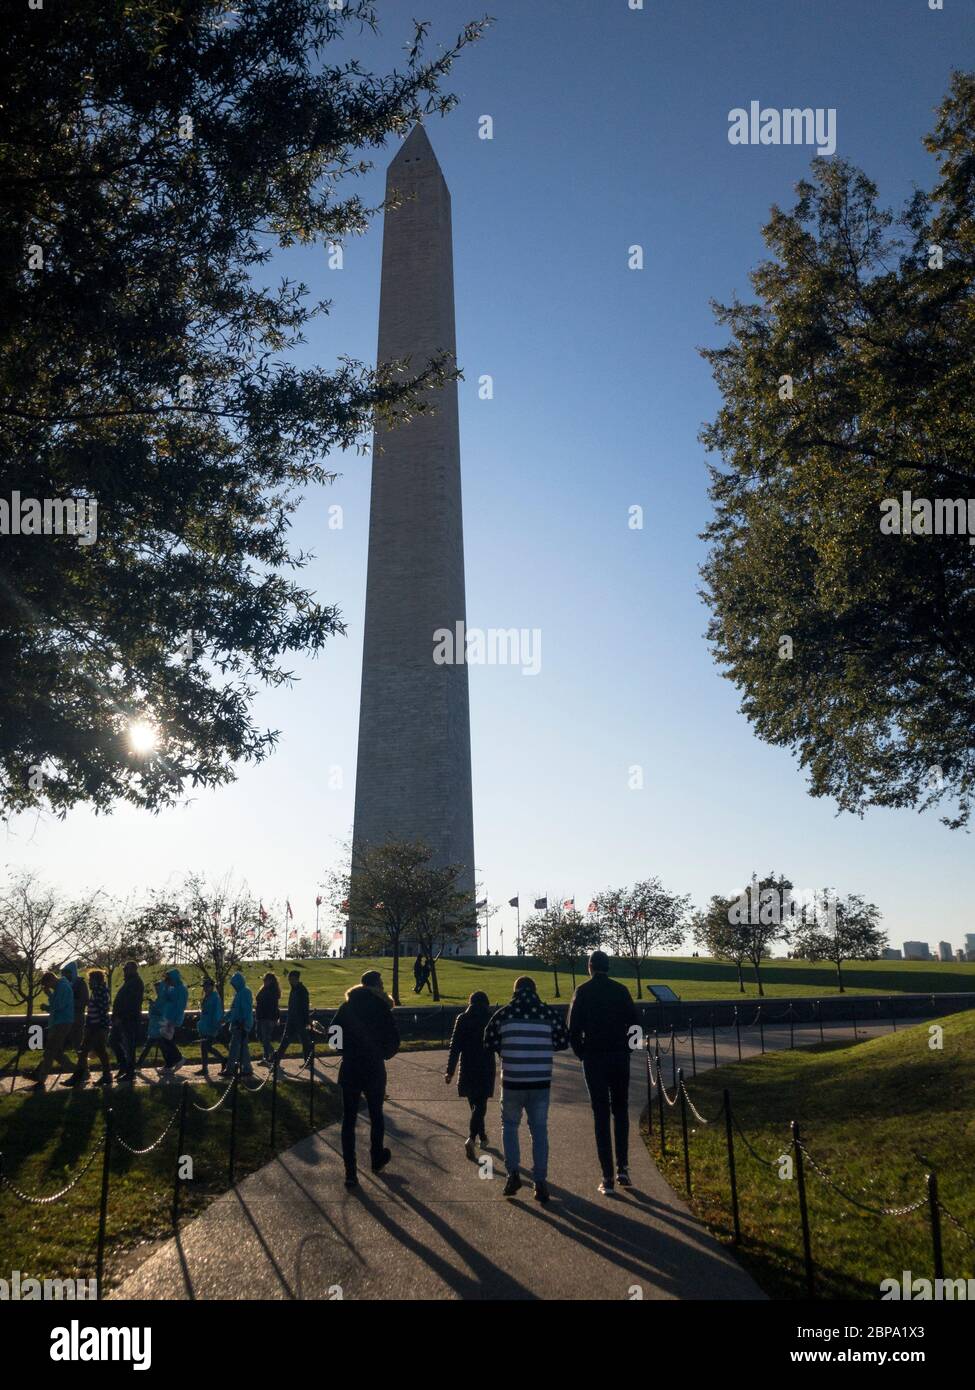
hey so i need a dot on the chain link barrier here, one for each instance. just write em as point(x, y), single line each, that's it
point(55, 1196)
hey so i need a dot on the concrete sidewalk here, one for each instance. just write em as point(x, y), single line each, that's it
point(428, 1227)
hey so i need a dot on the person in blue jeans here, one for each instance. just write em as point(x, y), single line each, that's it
point(241, 1020)
point(208, 1025)
point(525, 1034)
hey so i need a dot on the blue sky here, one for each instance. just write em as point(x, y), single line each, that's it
point(610, 128)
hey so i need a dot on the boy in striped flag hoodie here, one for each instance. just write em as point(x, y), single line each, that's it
point(525, 1033)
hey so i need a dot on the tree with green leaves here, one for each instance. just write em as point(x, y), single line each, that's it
point(393, 892)
point(846, 427)
point(155, 154)
point(849, 930)
point(718, 936)
point(637, 921)
point(558, 938)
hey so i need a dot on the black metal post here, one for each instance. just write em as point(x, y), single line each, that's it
point(693, 1051)
point(935, 1210)
point(819, 1015)
point(738, 1031)
point(660, 1106)
point(683, 1125)
point(274, 1102)
point(803, 1211)
point(103, 1207)
point(311, 1087)
point(893, 1013)
point(183, 1097)
point(649, 1091)
point(673, 1056)
point(443, 1026)
point(732, 1175)
point(232, 1162)
point(714, 1040)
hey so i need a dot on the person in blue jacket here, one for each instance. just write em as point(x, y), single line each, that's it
point(241, 1020)
point(154, 1024)
point(175, 996)
point(208, 1024)
point(60, 1006)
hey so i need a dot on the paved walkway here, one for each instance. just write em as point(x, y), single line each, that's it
point(428, 1227)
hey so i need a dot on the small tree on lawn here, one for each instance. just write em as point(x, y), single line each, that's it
point(391, 890)
point(764, 910)
point(37, 925)
point(444, 915)
point(635, 922)
point(212, 926)
point(716, 935)
point(557, 938)
point(849, 929)
point(113, 933)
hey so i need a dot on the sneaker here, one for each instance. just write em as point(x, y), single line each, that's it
point(74, 1081)
point(105, 1081)
point(202, 1071)
point(176, 1065)
point(484, 1141)
point(512, 1185)
point(541, 1193)
point(469, 1150)
point(623, 1178)
point(606, 1187)
point(379, 1163)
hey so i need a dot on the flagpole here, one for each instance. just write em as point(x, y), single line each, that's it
point(318, 934)
point(518, 926)
point(487, 928)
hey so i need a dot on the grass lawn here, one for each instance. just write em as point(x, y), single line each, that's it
point(45, 1139)
point(863, 1109)
point(327, 980)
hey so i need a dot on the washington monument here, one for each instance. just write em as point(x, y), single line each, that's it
point(413, 777)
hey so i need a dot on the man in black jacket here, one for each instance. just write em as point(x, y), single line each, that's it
point(126, 1020)
point(367, 1038)
point(602, 1016)
point(299, 1012)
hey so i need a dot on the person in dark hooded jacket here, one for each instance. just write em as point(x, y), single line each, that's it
point(79, 989)
point(476, 1080)
point(367, 1039)
point(127, 1019)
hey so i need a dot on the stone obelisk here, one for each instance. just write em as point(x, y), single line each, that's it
point(413, 777)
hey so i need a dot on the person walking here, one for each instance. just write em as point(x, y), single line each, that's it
point(601, 1017)
point(241, 1020)
point(154, 1023)
point(367, 1039)
point(126, 1020)
point(95, 1037)
point(267, 1009)
point(526, 1033)
point(476, 1079)
point(80, 994)
point(208, 1025)
point(175, 997)
point(60, 1006)
point(427, 972)
point(418, 974)
point(296, 1019)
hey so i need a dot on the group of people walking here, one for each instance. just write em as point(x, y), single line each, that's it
point(524, 1035)
point(83, 1018)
